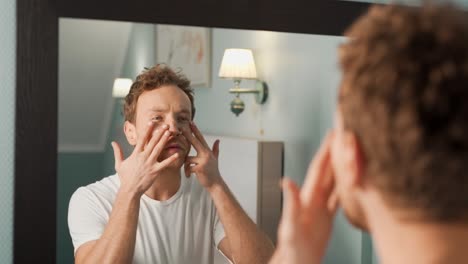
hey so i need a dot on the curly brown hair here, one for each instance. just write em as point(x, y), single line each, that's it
point(153, 78)
point(404, 93)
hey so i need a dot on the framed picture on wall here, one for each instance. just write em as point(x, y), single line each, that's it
point(186, 48)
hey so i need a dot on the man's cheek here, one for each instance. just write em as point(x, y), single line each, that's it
point(187, 154)
point(185, 142)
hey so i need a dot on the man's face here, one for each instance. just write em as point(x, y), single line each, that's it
point(346, 164)
point(166, 105)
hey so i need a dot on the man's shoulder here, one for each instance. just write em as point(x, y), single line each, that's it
point(106, 188)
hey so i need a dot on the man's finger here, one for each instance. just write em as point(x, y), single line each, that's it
point(163, 164)
point(118, 155)
point(192, 160)
point(317, 187)
point(216, 148)
point(292, 198)
point(187, 169)
point(142, 140)
point(291, 209)
point(327, 184)
point(190, 169)
point(161, 144)
point(333, 202)
point(276, 258)
point(155, 138)
point(194, 141)
point(189, 166)
point(198, 134)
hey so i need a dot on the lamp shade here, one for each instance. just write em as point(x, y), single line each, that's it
point(238, 64)
point(121, 87)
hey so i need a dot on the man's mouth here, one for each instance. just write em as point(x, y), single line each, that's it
point(173, 146)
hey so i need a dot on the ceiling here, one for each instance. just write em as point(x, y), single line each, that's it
point(91, 55)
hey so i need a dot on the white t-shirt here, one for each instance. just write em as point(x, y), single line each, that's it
point(183, 229)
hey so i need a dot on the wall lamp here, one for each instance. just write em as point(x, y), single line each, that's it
point(238, 64)
point(121, 87)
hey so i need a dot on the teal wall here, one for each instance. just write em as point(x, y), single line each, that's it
point(7, 124)
point(140, 54)
point(74, 170)
point(367, 252)
point(115, 134)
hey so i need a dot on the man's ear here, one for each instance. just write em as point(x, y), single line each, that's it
point(130, 133)
point(354, 159)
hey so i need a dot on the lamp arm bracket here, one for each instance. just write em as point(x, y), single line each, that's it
point(243, 90)
point(261, 91)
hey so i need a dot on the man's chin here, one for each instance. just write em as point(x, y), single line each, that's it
point(177, 163)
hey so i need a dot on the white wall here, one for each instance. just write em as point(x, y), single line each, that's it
point(302, 73)
point(86, 75)
point(7, 130)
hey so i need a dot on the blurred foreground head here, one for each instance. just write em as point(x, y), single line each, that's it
point(402, 117)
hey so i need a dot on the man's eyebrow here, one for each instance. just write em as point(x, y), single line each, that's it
point(160, 110)
point(156, 110)
point(185, 111)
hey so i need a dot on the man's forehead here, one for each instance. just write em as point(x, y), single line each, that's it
point(164, 98)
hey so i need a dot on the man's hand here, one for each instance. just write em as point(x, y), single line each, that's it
point(205, 163)
point(308, 214)
point(138, 172)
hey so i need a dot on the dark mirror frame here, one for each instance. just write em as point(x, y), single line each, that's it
point(37, 71)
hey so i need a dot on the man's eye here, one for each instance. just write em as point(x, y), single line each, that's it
point(183, 119)
point(156, 118)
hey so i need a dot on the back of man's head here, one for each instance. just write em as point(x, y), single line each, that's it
point(405, 95)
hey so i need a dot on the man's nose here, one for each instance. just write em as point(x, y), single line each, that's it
point(174, 127)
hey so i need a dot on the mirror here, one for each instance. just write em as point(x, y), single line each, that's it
point(300, 69)
point(36, 126)
point(36, 108)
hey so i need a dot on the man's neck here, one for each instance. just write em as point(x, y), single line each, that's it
point(165, 185)
point(399, 240)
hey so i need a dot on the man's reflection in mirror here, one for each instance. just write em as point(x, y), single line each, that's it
point(152, 212)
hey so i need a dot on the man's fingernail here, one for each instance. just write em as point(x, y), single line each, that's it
point(164, 126)
point(166, 133)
